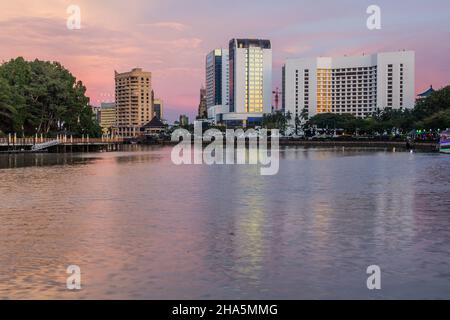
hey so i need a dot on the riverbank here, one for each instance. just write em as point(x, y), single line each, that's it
point(402, 145)
point(420, 146)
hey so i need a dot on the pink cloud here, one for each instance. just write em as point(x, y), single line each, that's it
point(171, 38)
point(167, 24)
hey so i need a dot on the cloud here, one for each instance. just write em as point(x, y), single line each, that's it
point(296, 49)
point(166, 24)
point(172, 37)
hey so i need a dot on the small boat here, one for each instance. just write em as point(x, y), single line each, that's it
point(444, 142)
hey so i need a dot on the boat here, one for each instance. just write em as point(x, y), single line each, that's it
point(444, 142)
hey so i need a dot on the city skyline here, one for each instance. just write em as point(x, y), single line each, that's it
point(172, 44)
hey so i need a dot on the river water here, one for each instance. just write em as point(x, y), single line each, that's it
point(140, 227)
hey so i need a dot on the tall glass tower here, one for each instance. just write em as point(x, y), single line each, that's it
point(250, 78)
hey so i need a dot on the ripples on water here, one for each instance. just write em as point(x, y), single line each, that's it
point(140, 227)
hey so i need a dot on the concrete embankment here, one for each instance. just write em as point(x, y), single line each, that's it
point(422, 146)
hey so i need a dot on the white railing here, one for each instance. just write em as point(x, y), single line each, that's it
point(45, 145)
point(67, 140)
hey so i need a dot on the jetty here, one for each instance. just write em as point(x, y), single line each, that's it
point(59, 144)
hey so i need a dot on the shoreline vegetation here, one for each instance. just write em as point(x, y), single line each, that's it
point(43, 98)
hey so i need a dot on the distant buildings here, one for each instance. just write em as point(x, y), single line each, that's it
point(96, 113)
point(184, 120)
point(247, 73)
point(154, 127)
point(133, 101)
point(357, 85)
point(202, 108)
point(107, 117)
point(158, 108)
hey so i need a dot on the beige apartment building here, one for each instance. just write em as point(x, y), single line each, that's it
point(134, 107)
point(107, 117)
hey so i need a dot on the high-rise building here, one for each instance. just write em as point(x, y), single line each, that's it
point(133, 101)
point(250, 80)
point(107, 117)
point(356, 85)
point(158, 108)
point(202, 108)
point(217, 83)
point(184, 120)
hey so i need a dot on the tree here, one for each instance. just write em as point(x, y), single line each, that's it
point(276, 120)
point(7, 110)
point(333, 121)
point(298, 122)
point(288, 116)
point(439, 120)
point(438, 101)
point(304, 115)
point(47, 98)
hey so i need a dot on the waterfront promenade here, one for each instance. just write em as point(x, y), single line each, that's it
point(60, 143)
point(86, 144)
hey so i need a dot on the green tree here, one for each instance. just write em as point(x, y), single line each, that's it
point(439, 120)
point(47, 98)
point(276, 120)
point(288, 116)
point(7, 110)
point(333, 121)
point(298, 122)
point(438, 101)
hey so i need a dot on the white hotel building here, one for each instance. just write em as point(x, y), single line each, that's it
point(358, 85)
point(245, 76)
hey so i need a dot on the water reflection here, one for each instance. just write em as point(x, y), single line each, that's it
point(141, 227)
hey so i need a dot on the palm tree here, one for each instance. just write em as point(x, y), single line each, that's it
point(288, 116)
point(297, 123)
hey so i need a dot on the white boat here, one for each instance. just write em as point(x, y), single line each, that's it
point(444, 142)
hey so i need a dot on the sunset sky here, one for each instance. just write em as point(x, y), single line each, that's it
point(170, 38)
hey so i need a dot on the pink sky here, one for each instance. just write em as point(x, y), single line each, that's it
point(171, 38)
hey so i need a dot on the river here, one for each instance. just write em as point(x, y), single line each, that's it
point(140, 227)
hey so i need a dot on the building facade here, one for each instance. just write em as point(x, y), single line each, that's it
point(107, 117)
point(250, 80)
point(158, 108)
point(134, 106)
point(217, 83)
point(356, 85)
point(202, 106)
